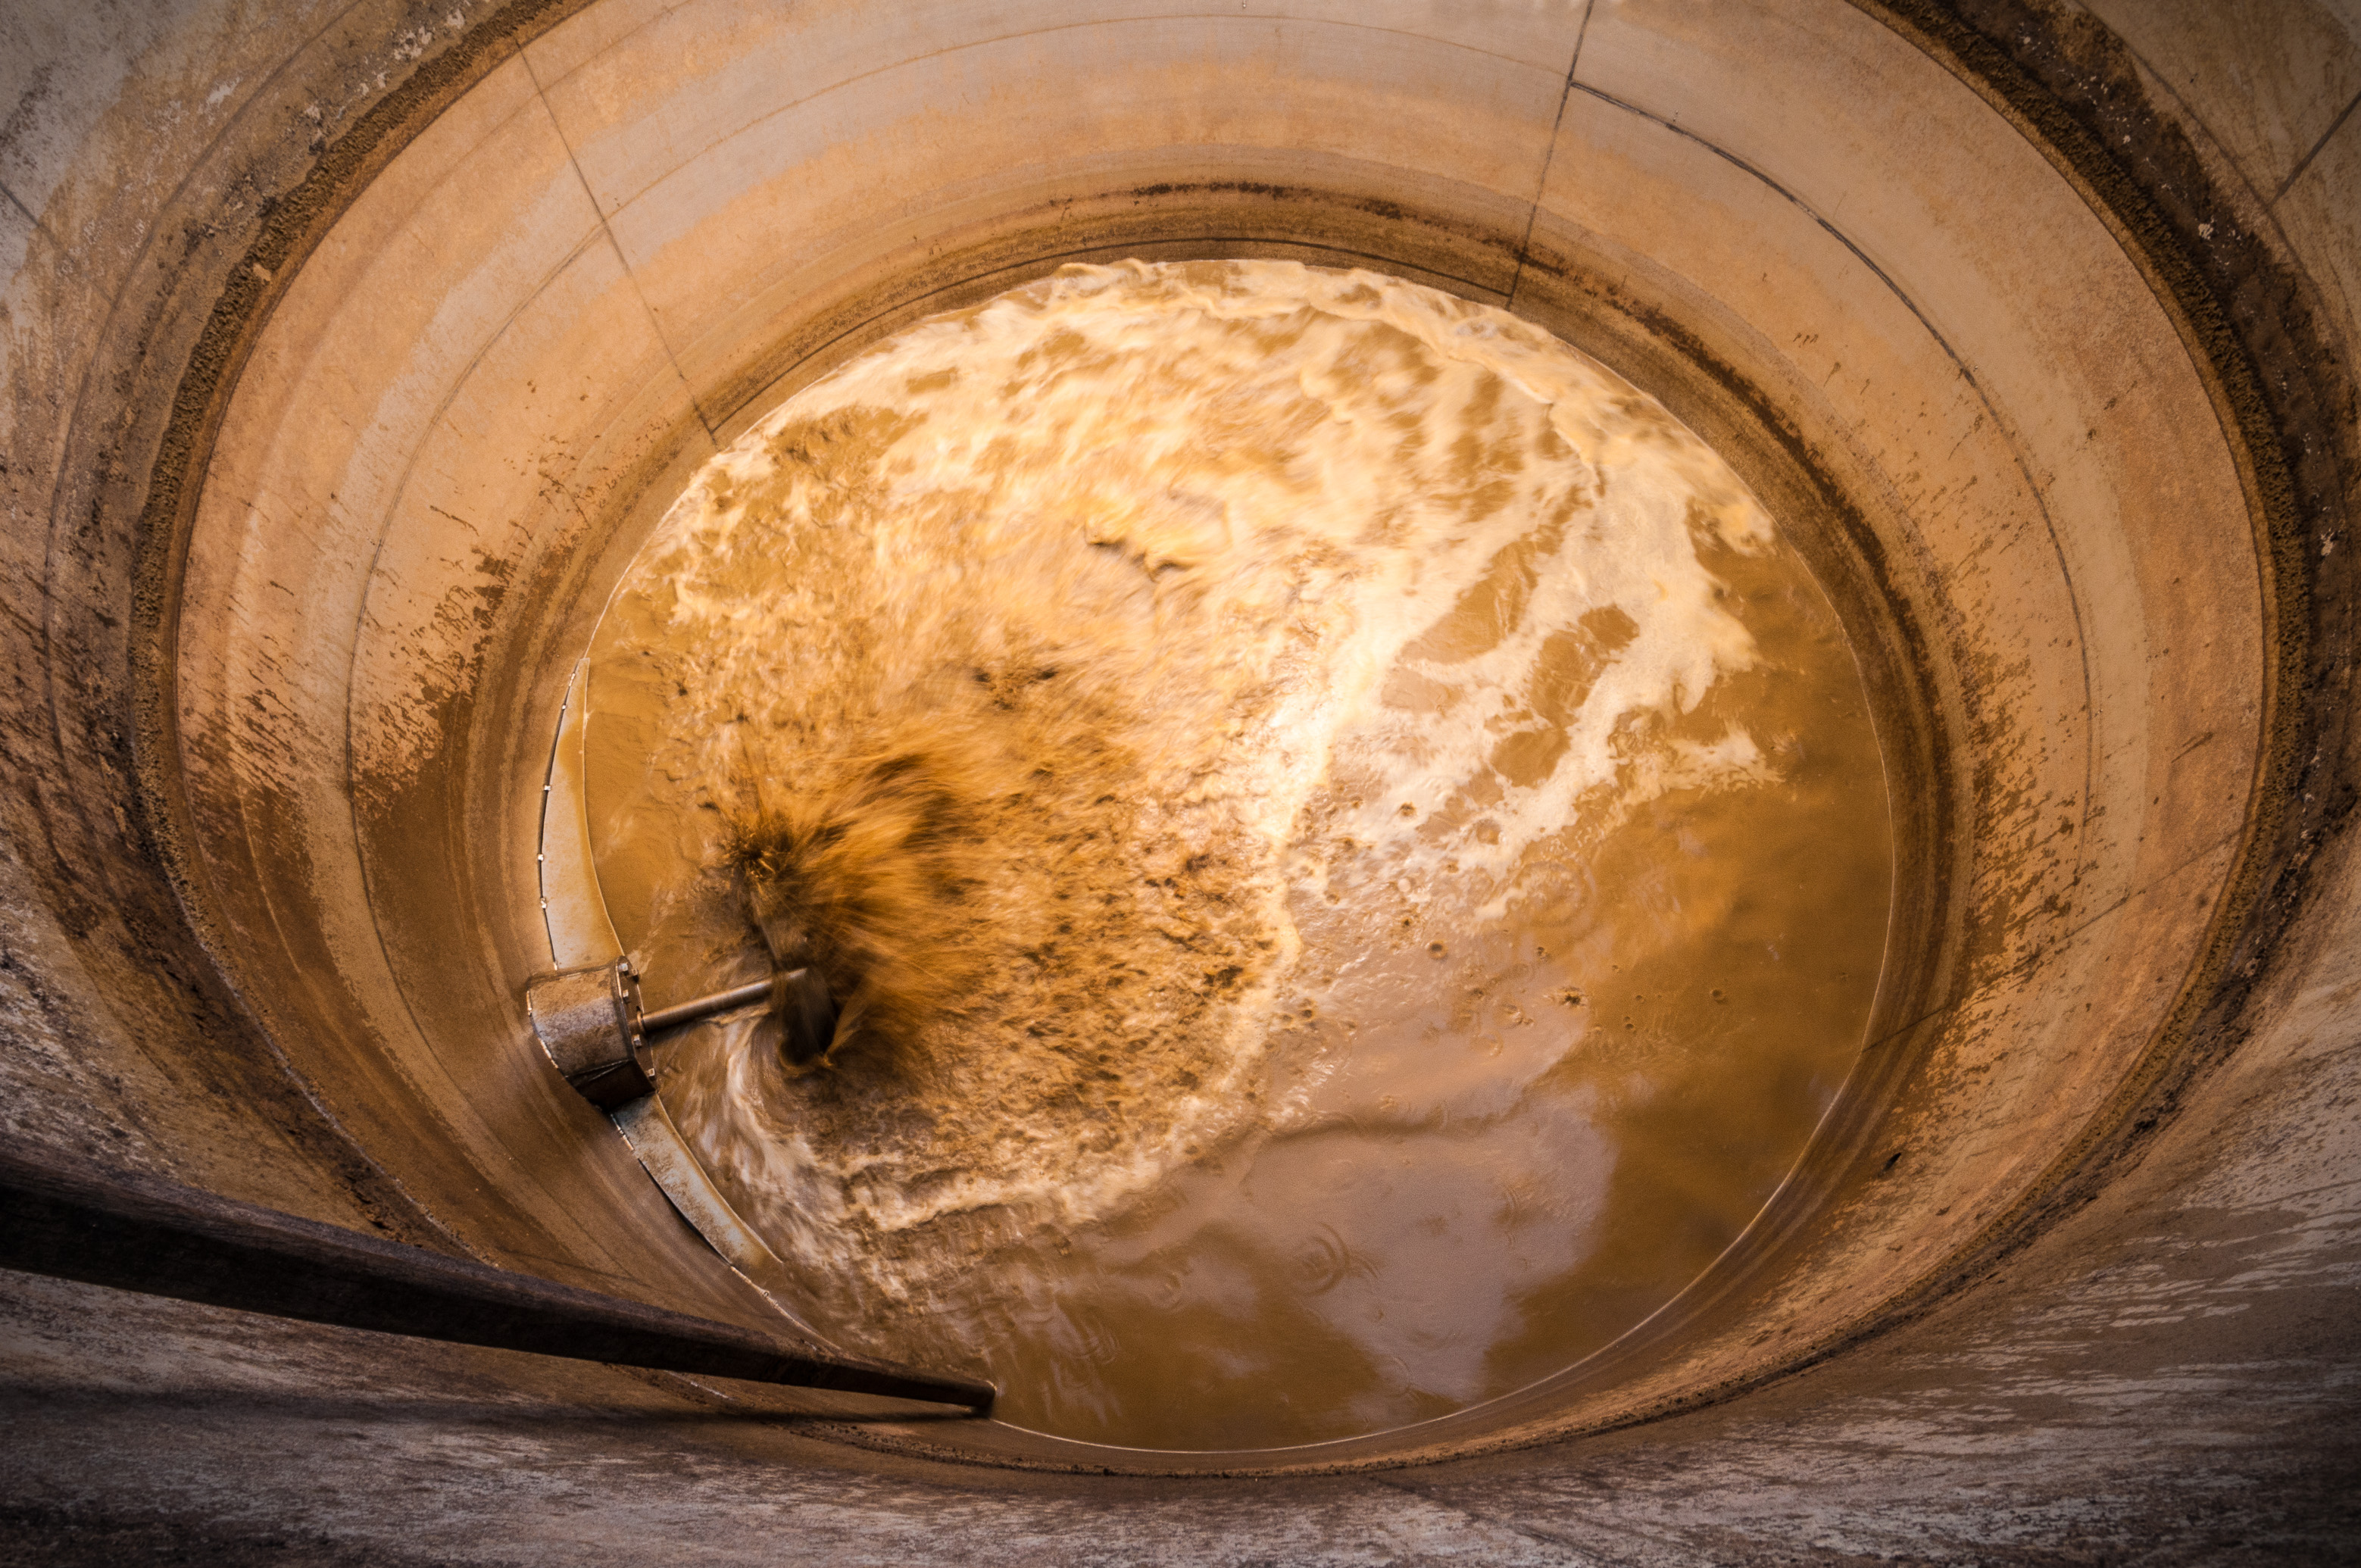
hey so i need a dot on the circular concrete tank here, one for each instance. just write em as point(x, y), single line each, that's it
point(325, 483)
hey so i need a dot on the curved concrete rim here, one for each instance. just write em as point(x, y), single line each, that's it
point(1556, 279)
point(277, 834)
point(1922, 938)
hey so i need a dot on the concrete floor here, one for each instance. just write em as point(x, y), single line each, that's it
point(350, 348)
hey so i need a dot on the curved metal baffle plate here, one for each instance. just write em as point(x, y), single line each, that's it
point(588, 1021)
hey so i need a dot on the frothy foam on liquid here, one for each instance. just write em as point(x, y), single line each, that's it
point(1236, 732)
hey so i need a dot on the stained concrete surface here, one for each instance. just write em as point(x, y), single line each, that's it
point(2154, 1362)
point(2165, 1378)
point(454, 422)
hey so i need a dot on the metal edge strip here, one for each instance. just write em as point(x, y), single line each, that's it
point(582, 933)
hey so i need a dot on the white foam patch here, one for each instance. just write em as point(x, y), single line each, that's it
point(1305, 477)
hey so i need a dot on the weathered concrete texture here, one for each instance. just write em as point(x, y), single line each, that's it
point(2165, 1378)
point(2274, 99)
point(445, 434)
point(350, 352)
point(141, 145)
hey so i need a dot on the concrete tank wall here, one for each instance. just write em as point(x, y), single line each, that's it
point(350, 356)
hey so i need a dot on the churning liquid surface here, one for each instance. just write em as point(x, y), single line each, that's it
point(1354, 854)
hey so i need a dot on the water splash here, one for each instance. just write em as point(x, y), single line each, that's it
point(1099, 684)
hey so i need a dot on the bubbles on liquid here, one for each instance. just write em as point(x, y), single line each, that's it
point(1120, 681)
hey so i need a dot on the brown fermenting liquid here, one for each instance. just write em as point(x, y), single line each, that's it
point(1353, 855)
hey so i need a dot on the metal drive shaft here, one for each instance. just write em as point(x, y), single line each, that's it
point(593, 1026)
point(798, 997)
point(706, 1006)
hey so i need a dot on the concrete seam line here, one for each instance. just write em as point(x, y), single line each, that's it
point(2180, 1054)
point(605, 227)
point(154, 752)
point(2001, 423)
point(31, 216)
point(2267, 884)
point(291, 224)
point(1549, 154)
point(2326, 137)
